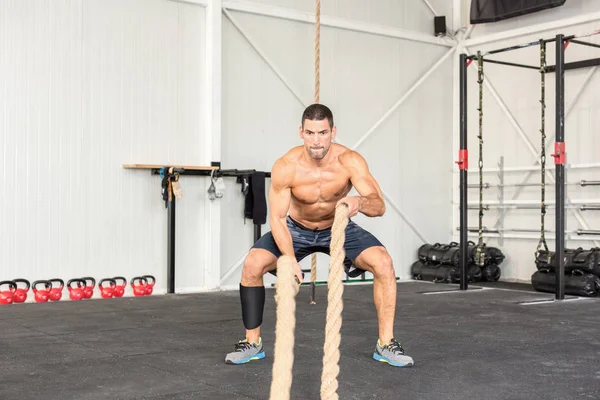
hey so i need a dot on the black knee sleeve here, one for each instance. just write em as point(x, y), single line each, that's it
point(253, 305)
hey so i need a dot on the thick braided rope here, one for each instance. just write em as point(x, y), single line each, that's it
point(287, 288)
point(313, 259)
point(317, 49)
point(333, 325)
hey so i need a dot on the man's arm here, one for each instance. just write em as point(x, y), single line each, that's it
point(370, 202)
point(280, 194)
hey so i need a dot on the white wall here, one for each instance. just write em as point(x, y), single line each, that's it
point(85, 87)
point(362, 77)
point(520, 90)
point(91, 85)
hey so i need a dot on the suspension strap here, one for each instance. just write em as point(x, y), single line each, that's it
point(479, 257)
point(542, 242)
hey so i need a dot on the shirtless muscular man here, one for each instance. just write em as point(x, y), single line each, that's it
point(307, 184)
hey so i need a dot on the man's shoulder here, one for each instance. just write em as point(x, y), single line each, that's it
point(284, 167)
point(349, 157)
point(289, 158)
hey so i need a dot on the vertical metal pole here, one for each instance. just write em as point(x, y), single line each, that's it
point(500, 222)
point(559, 160)
point(463, 165)
point(171, 248)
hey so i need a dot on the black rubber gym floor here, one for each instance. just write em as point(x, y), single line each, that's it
point(480, 344)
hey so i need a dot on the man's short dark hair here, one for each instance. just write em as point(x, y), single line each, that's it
point(317, 112)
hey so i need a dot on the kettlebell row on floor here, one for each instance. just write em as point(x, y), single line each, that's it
point(16, 290)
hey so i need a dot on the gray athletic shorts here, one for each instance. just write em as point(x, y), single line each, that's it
point(307, 241)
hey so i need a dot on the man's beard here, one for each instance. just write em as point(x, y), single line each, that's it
point(318, 154)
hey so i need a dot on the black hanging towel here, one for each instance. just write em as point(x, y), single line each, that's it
point(249, 201)
point(483, 11)
point(259, 206)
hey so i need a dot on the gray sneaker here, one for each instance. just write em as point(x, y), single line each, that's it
point(245, 352)
point(392, 354)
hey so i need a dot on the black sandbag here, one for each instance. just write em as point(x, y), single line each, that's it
point(424, 250)
point(440, 273)
point(491, 255)
point(578, 259)
point(452, 255)
point(474, 273)
point(546, 259)
point(494, 255)
point(434, 253)
point(449, 254)
point(578, 284)
point(415, 269)
point(490, 273)
point(587, 261)
point(434, 272)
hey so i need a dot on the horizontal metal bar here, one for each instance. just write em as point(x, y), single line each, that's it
point(592, 232)
point(579, 232)
point(530, 168)
point(534, 202)
point(488, 185)
point(487, 207)
point(587, 34)
point(517, 236)
point(590, 208)
point(215, 173)
point(510, 48)
point(590, 183)
point(585, 43)
point(511, 64)
point(576, 65)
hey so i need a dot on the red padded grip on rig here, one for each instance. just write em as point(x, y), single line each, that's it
point(463, 159)
point(560, 154)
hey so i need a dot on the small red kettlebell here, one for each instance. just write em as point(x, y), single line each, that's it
point(120, 287)
point(41, 295)
point(6, 296)
point(56, 291)
point(139, 289)
point(149, 285)
point(76, 293)
point(107, 292)
point(21, 293)
point(90, 284)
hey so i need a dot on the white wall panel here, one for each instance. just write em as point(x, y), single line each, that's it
point(86, 87)
point(362, 77)
point(413, 15)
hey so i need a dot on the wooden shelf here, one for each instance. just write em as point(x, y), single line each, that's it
point(153, 166)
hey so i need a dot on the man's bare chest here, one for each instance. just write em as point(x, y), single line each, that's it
point(321, 186)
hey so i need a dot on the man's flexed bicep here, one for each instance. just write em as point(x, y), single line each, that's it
point(280, 194)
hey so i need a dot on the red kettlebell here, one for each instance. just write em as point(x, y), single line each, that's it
point(41, 295)
point(56, 292)
point(149, 285)
point(120, 287)
point(21, 293)
point(6, 296)
point(140, 288)
point(107, 292)
point(90, 284)
point(76, 293)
